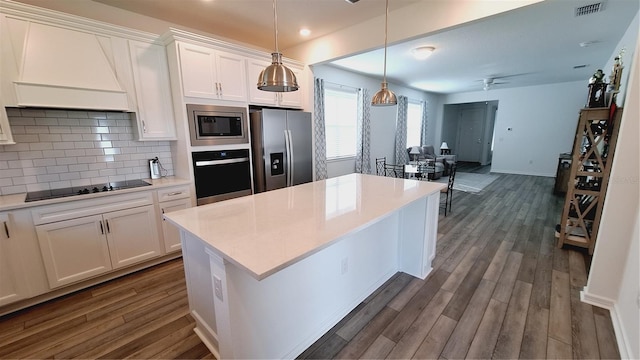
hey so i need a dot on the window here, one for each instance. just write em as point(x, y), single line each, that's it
point(341, 118)
point(414, 123)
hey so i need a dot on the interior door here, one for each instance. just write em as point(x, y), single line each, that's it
point(470, 134)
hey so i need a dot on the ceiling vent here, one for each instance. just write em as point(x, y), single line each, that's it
point(590, 9)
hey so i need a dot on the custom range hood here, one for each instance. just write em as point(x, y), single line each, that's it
point(57, 67)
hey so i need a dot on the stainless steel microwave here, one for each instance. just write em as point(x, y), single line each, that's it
point(217, 125)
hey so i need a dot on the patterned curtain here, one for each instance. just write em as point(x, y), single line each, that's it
point(401, 131)
point(319, 131)
point(363, 154)
point(423, 128)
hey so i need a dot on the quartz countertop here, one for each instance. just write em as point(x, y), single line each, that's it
point(17, 201)
point(266, 232)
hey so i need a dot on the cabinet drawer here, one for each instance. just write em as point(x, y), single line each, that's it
point(174, 193)
point(75, 209)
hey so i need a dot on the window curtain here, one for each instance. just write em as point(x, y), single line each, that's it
point(319, 130)
point(401, 131)
point(363, 153)
point(423, 128)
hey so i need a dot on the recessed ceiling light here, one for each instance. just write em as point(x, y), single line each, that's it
point(305, 32)
point(422, 52)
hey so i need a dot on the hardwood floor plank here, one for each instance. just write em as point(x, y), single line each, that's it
point(583, 328)
point(486, 337)
point(407, 345)
point(407, 316)
point(460, 272)
point(607, 342)
point(505, 284)
point(432, 346)
point(577, 270)
point(557, 349)
point(198, 351)
point(497, 263)
point(462, 336)
point(398, 302)
point(534, 340)
point(361, 342)
point(379, 349)
point(560, 308)
point(161, 343)
point(360, 320)
point(178, 348)
point(510, 338)
point(329, 348)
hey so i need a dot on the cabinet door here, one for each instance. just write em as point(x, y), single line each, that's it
point(293, 99)
point(74, 250)
point(257, 96)
point(231, 76)
point(152, 88)
point(169, 231)
point(132, 235)
point(13, 284)
point(197, 64)
point(5, 131)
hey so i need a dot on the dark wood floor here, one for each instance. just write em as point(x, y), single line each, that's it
point(500, 288)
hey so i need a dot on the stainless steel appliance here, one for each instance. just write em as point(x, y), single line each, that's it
point(154, 168)
point(221, 175)
point(217, 125)
point(281, 145)
point(81, 190)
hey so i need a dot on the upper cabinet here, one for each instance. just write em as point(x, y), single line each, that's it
point(154, 116)
point(291, 99)
point(212, 74)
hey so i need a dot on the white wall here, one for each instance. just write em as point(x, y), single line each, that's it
point(383, 119)
point(614, 279)
point(543, 121)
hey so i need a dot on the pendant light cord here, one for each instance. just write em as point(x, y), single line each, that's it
point(275, 24)
point(386, 20)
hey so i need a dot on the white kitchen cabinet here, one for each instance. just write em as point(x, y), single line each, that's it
point(6, 138)
point(13, 282)
point(154, 115)
point(292, 99)
point(212, 74)
point(172, 199)
point(83, 239)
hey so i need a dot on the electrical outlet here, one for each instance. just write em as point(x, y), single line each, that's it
point(217, 287)
point(344, 266)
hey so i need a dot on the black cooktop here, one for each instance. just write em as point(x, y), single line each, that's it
point(81, 190)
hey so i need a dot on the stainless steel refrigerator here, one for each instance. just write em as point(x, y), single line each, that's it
point(281, 148)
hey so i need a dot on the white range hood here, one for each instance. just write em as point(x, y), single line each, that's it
point(63, 68)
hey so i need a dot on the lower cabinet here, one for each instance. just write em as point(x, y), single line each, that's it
point(77, 249)
point(170, 232)
point(13, 286)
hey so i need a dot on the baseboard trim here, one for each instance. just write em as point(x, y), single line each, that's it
point(621, 337)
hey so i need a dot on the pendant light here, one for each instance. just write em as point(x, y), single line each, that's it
point(277, 77)
point(384, 96)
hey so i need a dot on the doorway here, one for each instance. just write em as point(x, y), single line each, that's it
point(469, 127)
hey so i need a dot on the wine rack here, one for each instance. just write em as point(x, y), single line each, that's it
point(592, 155)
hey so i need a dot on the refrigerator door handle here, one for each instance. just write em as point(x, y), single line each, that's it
point(287, 146)
point(291, 159)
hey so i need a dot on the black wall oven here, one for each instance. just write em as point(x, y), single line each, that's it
point(221, 175)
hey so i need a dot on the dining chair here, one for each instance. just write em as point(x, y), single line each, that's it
point(394, 170)
point(449, 189)
point(380, 166)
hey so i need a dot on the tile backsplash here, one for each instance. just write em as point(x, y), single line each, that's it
point(62, 148)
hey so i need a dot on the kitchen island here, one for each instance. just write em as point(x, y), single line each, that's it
point(268, 274)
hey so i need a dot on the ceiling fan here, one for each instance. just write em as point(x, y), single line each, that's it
point(489, 82)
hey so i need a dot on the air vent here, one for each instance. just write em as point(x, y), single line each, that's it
point(590, 9)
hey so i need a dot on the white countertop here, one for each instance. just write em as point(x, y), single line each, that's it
point(266, 232)
point(16, 201)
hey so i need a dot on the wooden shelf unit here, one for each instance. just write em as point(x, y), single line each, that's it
point(592, 156)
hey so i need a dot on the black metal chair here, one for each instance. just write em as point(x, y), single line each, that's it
point(380, 166)
point(449, 189)
point(394, 170)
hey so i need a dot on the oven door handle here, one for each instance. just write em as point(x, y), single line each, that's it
point(220, 162)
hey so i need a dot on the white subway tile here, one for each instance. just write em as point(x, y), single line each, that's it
point(23, 121)
point(10, 173)
point(66, 161)
point(108, 137)
point(125, 136)
point(13, 112)
point(89, 174)
point(83, 144)
point(55, 153)
point(17, 189)
point(86, 159)
point(102, 144)
point(48, 178)
point(65, 145)
point(71, 137)
point(110, 122)
point(94, 152)
point(36, 129)
point(57, 169)
point(60, 184)
point(35, 171)
point(78, 115)
point(69, 122)
point(107, 172)
point(27, 138)
point(111, 151)
point(91, 137)
point(50, 137)
point(44, 162)
point(20, 164)
point(115, 164)
point(4, 164)
point(104, 158)
point(56, 113)
point(121, 158)
point(100, 130)
point(60, 130)
point(74, 152)
point(124, 171)
point(81, 130)
point(117, 115)
point(81, 182)
point(25, 155)
point(97, 115)
point(24, 180)
point(38, 186)
point(5, 182)
point(126, 122)
point(70, 176)
point(99, 180)
point(6, 156)
point(98, 166)
point(46, 121)
point(79, 167)
point(32, 113)
point(18, 129)
point(41, 146)
point(115, 178)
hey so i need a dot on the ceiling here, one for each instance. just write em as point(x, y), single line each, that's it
point(532, 45)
